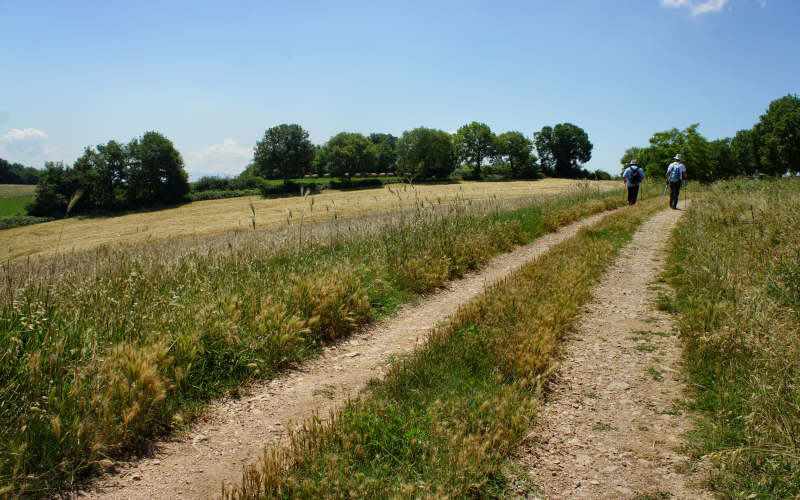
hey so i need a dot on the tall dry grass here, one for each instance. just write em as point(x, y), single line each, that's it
point(736, 269)
point(100, 351)
point(442, 421)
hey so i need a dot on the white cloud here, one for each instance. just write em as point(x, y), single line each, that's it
point(26, 141)
point(28, 146)
point(226, 158)
point(697, 7)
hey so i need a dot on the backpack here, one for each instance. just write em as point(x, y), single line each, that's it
point(675, 173)
point(636, 175)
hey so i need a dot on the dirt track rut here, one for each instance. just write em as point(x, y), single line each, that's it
point(234, 432)
point(612, 425)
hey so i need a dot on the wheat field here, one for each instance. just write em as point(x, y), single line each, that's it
point(218, 216)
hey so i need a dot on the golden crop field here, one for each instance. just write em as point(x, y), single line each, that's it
point(217, 216)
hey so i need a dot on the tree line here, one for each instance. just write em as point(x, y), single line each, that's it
point(285, 152)
point(149, 171)
point(16, 173)
point(770, 147)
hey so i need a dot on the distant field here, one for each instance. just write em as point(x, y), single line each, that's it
point(216, 216)
point(14, 197)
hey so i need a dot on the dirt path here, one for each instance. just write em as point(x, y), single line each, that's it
point(610, 428)
point(234, 432)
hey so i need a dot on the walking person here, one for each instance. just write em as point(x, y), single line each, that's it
point(676, 174)
point(633, 176)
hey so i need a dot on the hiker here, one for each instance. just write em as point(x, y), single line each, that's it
point(633, 176)
point(676, 173)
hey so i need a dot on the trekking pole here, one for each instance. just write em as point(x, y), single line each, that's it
point(665, 194)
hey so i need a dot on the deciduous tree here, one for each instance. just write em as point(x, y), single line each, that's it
point(425, 153)
point(474, 143)
point(562, 149)
point(285, 152)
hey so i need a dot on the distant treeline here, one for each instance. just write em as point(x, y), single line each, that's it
point(15, 173)
point(771, 147)
point(147, 171)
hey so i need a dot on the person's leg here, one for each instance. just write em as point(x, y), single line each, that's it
point(631, 195)
point(677, 192)
point(635, 194)
point(673, 195)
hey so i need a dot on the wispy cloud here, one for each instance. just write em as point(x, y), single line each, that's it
point(698, 7)
point(225, 158)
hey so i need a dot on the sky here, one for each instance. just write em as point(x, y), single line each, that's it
point(213, 76)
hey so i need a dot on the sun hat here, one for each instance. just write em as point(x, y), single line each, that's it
point(634, 162)
point(678, 157)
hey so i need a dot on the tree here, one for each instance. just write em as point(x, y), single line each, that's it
point(349, 154)
point(665, 145)
point(515, 149)
point(386, 151)
point(630, 154)
point(53, 191)
point(722, 164)
point(474, 142)
point(16, 173)
point(562, 149)
point(285, 152)
point(156, 173)
point(779, 136)
point(744, 148)
point(425, 153)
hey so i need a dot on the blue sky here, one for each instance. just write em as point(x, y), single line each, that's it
point(213, 76)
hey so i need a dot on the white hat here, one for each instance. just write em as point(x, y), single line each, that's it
point(678, 157)
point(634, 162)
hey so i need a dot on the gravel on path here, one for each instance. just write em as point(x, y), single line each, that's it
point(611, 426)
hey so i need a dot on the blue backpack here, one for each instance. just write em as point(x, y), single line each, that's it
point(674, 173)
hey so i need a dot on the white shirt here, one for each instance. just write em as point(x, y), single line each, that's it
point(679, 165)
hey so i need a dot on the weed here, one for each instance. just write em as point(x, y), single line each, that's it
point(326, 390)
point(603, 427)
point(654, 495)
point(655, 373)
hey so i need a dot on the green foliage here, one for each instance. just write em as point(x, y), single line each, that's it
point(285, 152)
point(771, 147)
point(515, 149)
point(348, 154)
point(425, 153)
point(147, 171)
point(474, 143)
point(779, 136)
point(562, 149)
point(735, 268)
point(21, 220)
point(386, 152)
point(16, 173)
point(630, 154)
point(155, 171)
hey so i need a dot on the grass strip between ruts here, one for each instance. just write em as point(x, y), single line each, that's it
point(96, 362)
point(443, 420)
point(735, 266)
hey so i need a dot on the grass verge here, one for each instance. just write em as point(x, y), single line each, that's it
point(442, 421)
point(100, 357)
point(735, 266)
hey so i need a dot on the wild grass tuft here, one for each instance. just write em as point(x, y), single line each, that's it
point(103, 350)
point(735, 266)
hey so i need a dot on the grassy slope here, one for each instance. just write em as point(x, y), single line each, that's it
point(736, 269)
point(98, 362)
point(443, 420)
